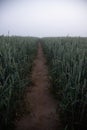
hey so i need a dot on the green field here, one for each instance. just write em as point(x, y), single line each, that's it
point(16, 58)
point(67, 60)
point(67, 63)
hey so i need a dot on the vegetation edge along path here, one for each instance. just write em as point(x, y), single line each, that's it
point(42, 106)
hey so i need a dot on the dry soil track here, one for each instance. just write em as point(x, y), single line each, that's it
point(41, 103)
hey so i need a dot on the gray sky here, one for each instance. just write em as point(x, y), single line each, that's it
point(43, 17)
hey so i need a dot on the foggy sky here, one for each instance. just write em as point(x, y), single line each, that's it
point(43, 17)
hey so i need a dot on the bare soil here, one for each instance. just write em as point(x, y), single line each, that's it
point(39, 100)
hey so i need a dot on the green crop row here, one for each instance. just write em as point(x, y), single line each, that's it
point(67, 60)
point(16, 58)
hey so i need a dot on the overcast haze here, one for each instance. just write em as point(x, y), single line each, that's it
point(43, 17)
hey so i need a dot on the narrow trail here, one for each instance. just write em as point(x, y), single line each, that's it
point(39, 100)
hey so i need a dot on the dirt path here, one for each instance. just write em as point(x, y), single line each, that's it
point(42, 105)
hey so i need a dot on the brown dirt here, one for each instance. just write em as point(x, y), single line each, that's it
point(39, 101)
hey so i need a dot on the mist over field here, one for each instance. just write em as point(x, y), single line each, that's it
point(43, 64)
point(43, 17)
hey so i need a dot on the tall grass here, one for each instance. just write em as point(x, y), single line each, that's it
point(67, 59)
point(16, 57)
